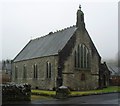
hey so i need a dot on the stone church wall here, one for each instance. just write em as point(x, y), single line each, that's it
point(72, 76)
point(41, 82)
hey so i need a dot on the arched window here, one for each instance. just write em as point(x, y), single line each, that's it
point(24, 72)
point(84, 62)
point(48, 69)
point(16, 72)
point(75, 59)
point(78, 56)
point(35, 71)
point(81, 57)
point(87, 58)
point(82, 77)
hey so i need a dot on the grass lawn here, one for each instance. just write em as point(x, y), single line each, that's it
point(78, 93)
point(43, 93)
point(99, 91)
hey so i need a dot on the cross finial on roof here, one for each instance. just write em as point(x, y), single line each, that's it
point(79, 6)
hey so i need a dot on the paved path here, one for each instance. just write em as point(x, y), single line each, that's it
point(93, 99)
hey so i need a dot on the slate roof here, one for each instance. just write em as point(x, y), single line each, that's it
point(115, 71)
point(46, 45)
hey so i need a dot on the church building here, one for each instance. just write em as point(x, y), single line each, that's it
point(67, 57)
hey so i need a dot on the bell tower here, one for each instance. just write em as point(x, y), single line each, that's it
point(80, 18)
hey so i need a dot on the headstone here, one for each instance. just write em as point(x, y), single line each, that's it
point(62, 92)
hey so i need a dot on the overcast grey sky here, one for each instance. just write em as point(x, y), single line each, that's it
point(24, 20)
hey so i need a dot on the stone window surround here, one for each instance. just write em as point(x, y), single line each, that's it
point(16, 72)
point(24, 71)
point(81, 57)
point(48, 69)
point(35, 71)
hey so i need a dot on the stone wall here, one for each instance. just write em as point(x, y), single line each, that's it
point(41, 82)
point(16, 92)
point(72, 76)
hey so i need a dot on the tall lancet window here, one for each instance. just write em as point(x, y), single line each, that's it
point(78, 55)
point(16, 72)
point(81, 57)
point(48, 70)
point(75, 59)
point(24, 72)
point(35, 71)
